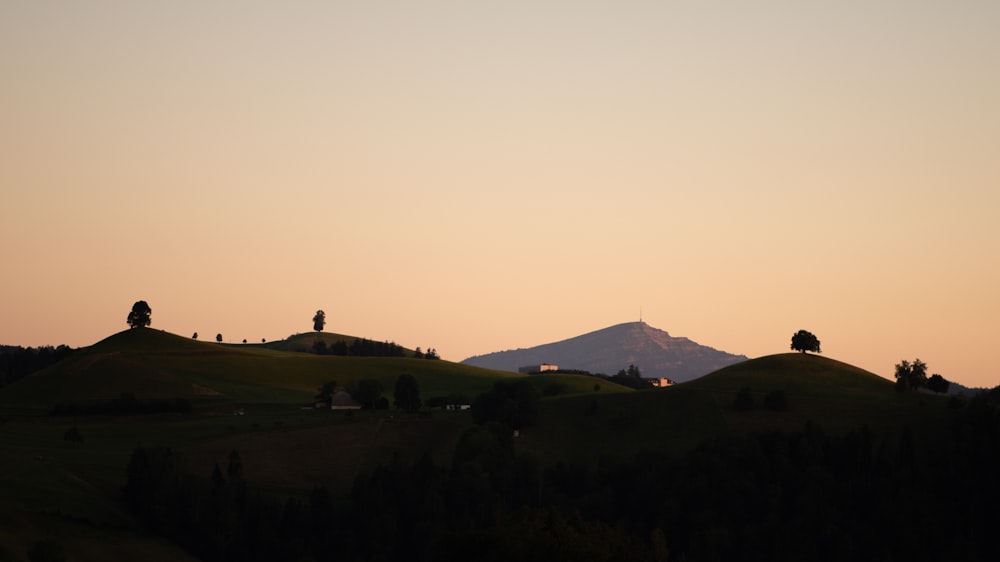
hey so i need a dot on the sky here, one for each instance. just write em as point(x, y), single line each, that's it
point(482, 176)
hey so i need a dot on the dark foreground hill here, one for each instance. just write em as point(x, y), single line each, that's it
point(654, 351)
point(814, 389)
point(666, 474)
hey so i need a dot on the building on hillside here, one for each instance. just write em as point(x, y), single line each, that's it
point(659, 382)
point(342, 400)
point(536, 369)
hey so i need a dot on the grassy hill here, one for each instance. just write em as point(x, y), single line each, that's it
point(48, 482)
point(835, 395)
point(154, 364)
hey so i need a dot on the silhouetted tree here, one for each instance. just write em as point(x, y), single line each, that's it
point(325, 393)
point(418, 353)
point(319, 320)
point(368, 393)
point(911, 376)
point(218, 338)
point(805, 341)
point(319, 347)
point(407, 394)
point(194, 336)
point(431, 354)
point(514, 404)
point(938, 384)
point(139, 316)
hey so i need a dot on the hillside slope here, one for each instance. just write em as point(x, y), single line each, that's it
point(151, 363)
point(654, 351)
point(835, 395)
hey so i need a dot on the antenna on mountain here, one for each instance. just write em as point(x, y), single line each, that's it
point(640, 314)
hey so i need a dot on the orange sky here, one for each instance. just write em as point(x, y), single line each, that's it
point(476, 178)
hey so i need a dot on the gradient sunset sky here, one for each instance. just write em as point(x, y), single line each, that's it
point(479, 176)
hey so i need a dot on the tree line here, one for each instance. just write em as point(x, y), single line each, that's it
point(919, 493)
point(359, 347)
point(17, 362)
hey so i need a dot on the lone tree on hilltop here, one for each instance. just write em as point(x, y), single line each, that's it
point(218, 337)
point(805, 341)
point(319, 321)
point(139, 317)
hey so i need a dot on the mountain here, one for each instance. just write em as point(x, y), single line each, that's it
point(607, 351)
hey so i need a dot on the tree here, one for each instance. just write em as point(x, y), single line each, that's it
point(218, 338)
point(805, 341)
point(407, 394)
point(139, 317)
point(326, 392)
point(319, 320)
point(938, 384)
point(514, 404)
point(911, 376)
point(368, 393)
point(194, 336)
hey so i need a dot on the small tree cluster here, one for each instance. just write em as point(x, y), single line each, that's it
point(359, 347)
point(938, 384)
point(911, 376)
point(514, 404)
point(431, 353)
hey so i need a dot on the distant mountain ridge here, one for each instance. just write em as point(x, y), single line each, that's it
point(654, 351)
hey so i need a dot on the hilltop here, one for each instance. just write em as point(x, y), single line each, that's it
point(654, 351)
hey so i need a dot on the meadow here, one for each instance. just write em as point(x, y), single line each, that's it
point(259, 400)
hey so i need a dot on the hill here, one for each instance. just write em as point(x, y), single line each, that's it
point(654, 351)
point(152, 364)
point(51, 485)
point(46, 479)
point(833, 394)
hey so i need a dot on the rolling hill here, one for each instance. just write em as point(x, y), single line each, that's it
point(288, 450)
point(654, 351)
point(154, 364)
point(835, 395)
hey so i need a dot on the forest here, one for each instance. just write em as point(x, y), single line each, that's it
point(917, 493)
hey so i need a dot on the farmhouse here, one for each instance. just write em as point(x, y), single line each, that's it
point(659, 382)
point(535, 369)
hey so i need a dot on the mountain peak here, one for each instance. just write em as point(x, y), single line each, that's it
point(608, 350)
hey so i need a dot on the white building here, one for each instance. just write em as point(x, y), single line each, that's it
point(535, 369)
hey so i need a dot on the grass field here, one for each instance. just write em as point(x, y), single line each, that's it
point(832, 394)
point(52, 487)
